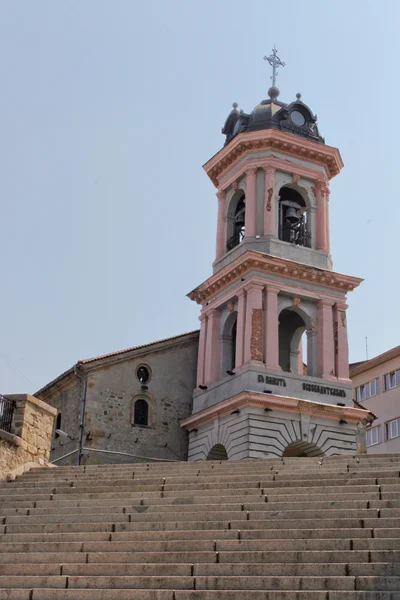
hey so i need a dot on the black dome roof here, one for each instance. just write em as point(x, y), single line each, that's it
point(296, 118)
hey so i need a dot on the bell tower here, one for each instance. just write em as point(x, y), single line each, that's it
point(273, 294)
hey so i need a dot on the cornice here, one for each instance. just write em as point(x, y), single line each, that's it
point(287, 143)
point(376, 361)
point(252, 260)
point(281, 403)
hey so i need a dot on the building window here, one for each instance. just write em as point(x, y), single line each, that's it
point(141, 413)
point(367, 390)
point(373, 436)
point(143, 373)
point(58, 424)
point(393, 429)
point(392, 380)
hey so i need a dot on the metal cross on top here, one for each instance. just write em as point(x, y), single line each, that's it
point(275, 62)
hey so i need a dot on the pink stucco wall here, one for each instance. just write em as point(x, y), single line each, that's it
point(386, 405)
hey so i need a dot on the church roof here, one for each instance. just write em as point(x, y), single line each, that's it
point(119, 352)
point(295, 117)
point(86, 361)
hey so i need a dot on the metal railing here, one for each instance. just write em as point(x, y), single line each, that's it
point(6, 413)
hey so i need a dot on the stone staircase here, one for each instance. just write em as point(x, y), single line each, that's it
point(272, 529)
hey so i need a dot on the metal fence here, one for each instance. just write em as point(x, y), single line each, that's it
point(6, 413)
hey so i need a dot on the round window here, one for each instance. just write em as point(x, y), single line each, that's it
point(143, 374)
point(297, 118)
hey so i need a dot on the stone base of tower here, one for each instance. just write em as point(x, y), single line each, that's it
point(256, 425)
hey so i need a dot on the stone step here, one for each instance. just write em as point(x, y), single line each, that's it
point(200, 477)
point(159, 498)
point(71, 594)
point(213, 534)
point(198, 582)
point(233, 545)
point(177, 507)
point(242, 582)
point(205, 569)
point(168, 486)
point(209, 515)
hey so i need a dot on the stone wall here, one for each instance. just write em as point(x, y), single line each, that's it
point(30, 438)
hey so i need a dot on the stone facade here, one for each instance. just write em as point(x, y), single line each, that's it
point(113, 388)
point(30, 438)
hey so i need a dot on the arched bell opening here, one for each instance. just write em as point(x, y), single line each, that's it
point(217, 452)
point(236, 220)
point(229, 335)
point(294, 226)
point(302, 449)
point(291, 330)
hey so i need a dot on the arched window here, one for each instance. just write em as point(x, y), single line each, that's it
point(217, 452)
point(228, 339)
point(293, 221)
point(237, 224)
point(58, 424)
point(141, 413)
point(291, 329)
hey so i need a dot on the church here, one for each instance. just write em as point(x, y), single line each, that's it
point(267, 374)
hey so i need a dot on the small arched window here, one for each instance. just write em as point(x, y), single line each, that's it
point(141, 413)
point(58, 424)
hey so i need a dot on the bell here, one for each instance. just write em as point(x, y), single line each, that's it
point(239, 219)
point(291, 215)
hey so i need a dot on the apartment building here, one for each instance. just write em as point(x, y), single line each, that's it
point(376, 386)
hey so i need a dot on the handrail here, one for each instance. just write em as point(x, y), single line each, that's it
point(115, 452)
point(6, 413)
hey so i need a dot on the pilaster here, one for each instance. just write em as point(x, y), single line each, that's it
point(269, 202)
point(253, 335)
point(212, 354)
point(201, 352)
point(271, 335)
point(250, 217)
point(328, 243)
point(241, 317)
point(326, 352)
point(341, 345)
point(320, 193)
point(220, 242)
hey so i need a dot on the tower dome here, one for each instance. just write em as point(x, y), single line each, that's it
point(295, 117)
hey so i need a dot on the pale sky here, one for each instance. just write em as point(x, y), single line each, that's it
point(109, 109)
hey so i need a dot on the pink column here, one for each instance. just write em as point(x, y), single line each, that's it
point(342, 346)
point(212, 354)
point(253, 333)
point(250, 216)
point(269, 202)
point(320, 189)
point(325, 350)
point(221, 224)
point(328, 242)
point(272, 329)
point(241, 317)
point(202, 347)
